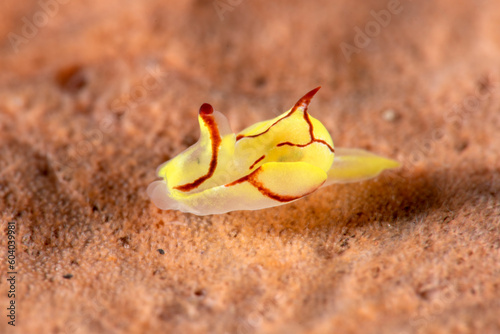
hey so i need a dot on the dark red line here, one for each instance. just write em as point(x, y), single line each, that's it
point(303, 102)
point(309, 123)
point(252, 179)
point(206, 113)
point(280, 198)
point(292, 144)
point(238, 137)
point(304, 145)
point(325, 143)
point(257, 161)
point(244, 178)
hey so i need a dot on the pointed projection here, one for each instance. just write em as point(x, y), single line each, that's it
point(268, 164)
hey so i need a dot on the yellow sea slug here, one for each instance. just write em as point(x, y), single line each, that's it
point(268, 164)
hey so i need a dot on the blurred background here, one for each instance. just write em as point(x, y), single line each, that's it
point(95, 95)
point(394, 59)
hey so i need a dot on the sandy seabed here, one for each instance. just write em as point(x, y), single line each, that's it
point(95, 95)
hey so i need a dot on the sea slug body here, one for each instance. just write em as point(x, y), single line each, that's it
point(268, 164)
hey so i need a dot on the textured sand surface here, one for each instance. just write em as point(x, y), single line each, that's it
point(95, 95)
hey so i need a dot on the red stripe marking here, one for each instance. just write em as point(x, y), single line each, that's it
point(257, 161)
point(206, 113)
point(238, 137)
point(303, 102)
point(304, 145)
point(252, 179)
